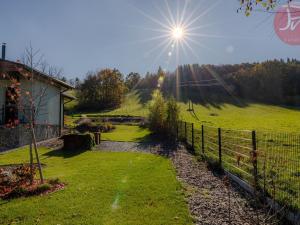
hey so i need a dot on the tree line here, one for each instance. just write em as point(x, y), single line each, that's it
point(272, 81)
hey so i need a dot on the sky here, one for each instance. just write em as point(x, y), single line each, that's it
point(130, 35)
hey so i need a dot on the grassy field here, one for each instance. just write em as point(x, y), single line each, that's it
point(127, 133)
point(252, 116)
point(102, 188)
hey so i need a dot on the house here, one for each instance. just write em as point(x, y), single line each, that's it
point(47, 94)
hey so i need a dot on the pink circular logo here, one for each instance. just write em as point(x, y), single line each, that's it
point(287, 23)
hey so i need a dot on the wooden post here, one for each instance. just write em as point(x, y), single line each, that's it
point(193, 146)
point(185, 132)
point(202, 138)
point(254, 159)
point(177, 131)
point(220, 146)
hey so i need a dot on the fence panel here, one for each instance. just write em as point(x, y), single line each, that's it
point(237, 153)
point(279, 167)
point(272, 165)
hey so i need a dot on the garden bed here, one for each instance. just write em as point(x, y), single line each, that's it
point(17, 180)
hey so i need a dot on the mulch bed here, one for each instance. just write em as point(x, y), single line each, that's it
point(30, 190)
point(213, 200)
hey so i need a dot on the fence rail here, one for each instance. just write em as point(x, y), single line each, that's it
point(269, 162)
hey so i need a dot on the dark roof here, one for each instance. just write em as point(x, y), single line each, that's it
point(42, 74)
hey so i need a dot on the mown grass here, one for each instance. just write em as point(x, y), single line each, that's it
point(252, 116)
point(102, 188)
point(128, 133)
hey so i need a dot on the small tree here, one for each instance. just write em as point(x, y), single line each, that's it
point(157, 113)
point(29, 100)
point(173, 111)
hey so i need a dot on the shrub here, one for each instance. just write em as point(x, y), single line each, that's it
point(16, 176)
point(74, 142)
point(157, 114)
point(88, 126)
point(172, 117)
point(42, 188)
point(163, 117)
point(54, 181)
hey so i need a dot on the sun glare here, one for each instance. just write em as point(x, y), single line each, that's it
point(178, 33)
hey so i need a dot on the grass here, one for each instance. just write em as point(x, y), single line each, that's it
point(253, 116)
point(102, 188)
point(127, 133)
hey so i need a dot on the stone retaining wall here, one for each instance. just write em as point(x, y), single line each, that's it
point(20, 135)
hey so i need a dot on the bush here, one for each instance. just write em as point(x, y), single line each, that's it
point(163, 117)
point(157, 114)
point(54, 181)
point(42, 188)
point(89, 126)
point(172, 117)
point(73, 142)
point(16, 176)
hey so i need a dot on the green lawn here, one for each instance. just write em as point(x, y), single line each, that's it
point(127, 133)
point(102, 188)
point(252, 116)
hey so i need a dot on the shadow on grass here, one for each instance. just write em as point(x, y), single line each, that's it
point(64, 153)
point(149, 138)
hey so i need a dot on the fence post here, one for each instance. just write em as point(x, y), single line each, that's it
point(193, 137)
point(254, 159)
point(202, 138)
point(220, 146)
point(185, 132)
point(177, 136)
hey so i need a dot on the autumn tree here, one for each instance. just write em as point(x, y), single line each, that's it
point(102, 90)
point(249, 5)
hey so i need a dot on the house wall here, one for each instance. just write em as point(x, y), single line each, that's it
point(46, 99)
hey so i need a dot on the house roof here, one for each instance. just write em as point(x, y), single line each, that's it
point(68, 96)
point(13, 66)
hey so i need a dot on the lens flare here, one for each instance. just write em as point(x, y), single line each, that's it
point(178, 33)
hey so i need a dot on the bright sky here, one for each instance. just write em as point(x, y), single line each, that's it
point(81, 36)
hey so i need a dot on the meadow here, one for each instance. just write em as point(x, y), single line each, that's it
point(252, 116)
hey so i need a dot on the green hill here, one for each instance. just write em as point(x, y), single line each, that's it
point(250, 116)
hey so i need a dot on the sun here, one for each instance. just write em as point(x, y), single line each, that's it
point(177, 33)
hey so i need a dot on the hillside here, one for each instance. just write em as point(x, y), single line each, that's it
point(250, 116)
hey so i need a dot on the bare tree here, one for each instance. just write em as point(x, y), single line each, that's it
point(30, 99)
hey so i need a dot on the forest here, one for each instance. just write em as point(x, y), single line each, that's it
point(273, 82)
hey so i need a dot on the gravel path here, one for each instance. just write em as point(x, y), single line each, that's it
point(121, 146)
point(208, 196)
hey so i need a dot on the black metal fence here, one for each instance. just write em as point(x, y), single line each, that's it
point(269, 162)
